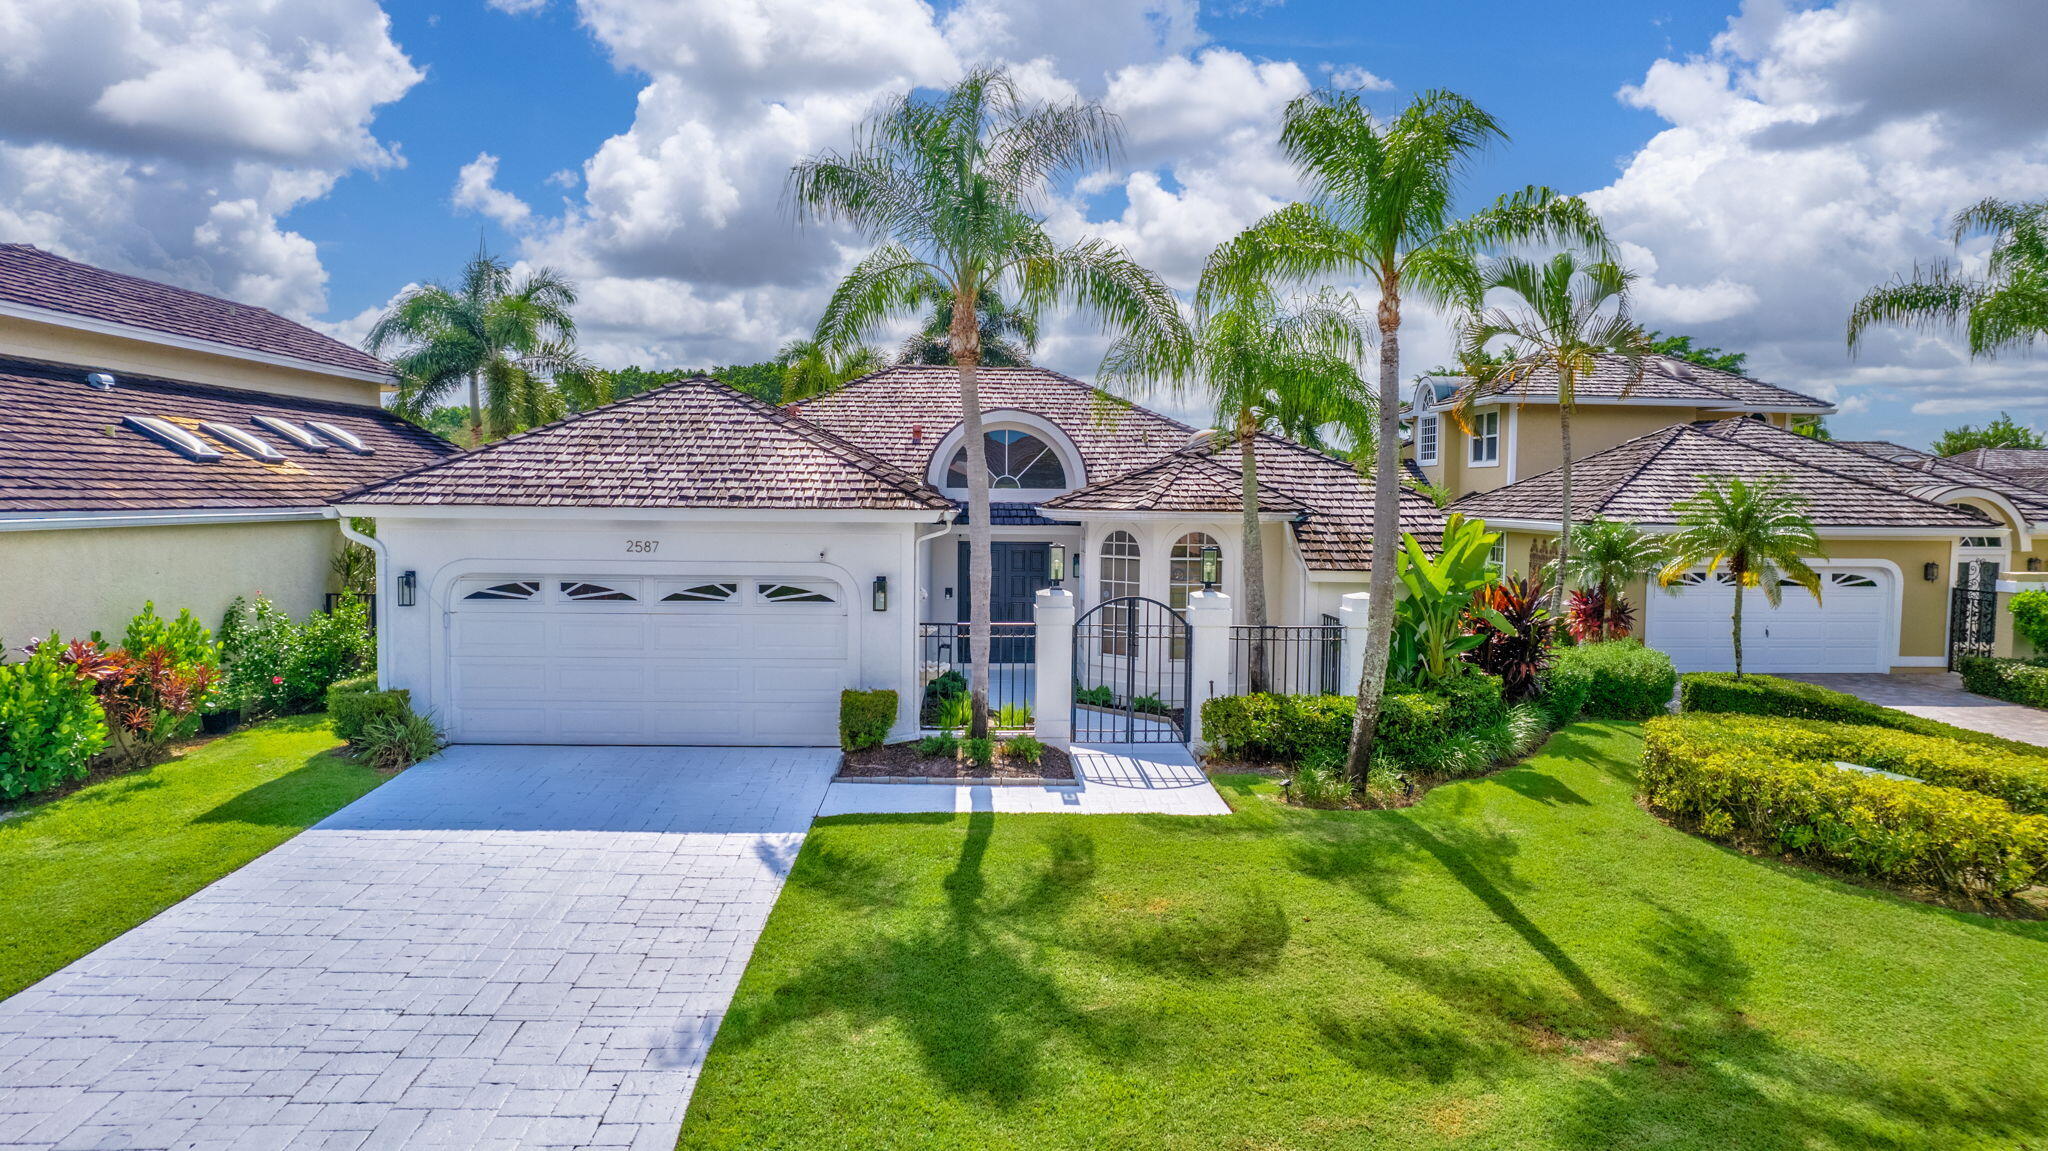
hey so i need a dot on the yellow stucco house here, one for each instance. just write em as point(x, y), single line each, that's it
point(1920, 550)
point(161, 444)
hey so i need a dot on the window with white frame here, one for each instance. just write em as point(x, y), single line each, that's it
point(1486, 438)
point(1497, 556)
point(1184, 579)
point(1427, 431)
point(1119, 567)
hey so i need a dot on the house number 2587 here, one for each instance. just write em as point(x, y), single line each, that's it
point(642, 547)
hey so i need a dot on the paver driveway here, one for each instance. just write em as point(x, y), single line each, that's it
point(505, 947)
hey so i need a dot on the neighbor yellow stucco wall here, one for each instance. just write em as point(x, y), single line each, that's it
point(76, 582)
point(1531, 444)
point(36, 341)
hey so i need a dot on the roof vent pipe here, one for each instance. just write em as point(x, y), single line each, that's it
point(104, 381)
point(917, 433)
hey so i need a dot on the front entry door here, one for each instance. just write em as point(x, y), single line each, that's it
point(1020, 569)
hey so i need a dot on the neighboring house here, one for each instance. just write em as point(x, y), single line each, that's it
point(2025, 466)
point(160, 444)
point(694, 566)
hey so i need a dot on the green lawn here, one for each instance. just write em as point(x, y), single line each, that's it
point(81, 869)
point(1525, 961)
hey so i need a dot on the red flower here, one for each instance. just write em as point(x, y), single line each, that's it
point(277, 679)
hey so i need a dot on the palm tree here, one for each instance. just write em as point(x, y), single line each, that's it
point(488, 330)
point(1604, 555)
point(2007, 309)
point(1759, 529)
point(1565, 319)
point(949, 186)
point(1008, 336)
point(810, 368)
point(1268, 365)
point(1381, 207)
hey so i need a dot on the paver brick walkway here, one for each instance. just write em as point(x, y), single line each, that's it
point(506, 947)
point(1941, 696)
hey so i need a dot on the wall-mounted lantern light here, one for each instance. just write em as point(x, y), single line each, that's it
point(1056, 567)
point(408, 588)
point(1212, 566)
point(881, 593)
point(1931, 571)
point(2033, 563)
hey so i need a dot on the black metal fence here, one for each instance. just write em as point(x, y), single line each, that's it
point(1132, 677)
point(944, 663)
point(1286, 659)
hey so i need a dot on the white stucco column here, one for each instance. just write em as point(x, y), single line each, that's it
point(1209, 651)
point(1351, 615)
point(1052, 705)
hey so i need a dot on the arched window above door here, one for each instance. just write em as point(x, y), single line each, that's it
point(1016, 459)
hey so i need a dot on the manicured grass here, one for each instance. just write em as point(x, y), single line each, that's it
point(1525, 961)
point(81, 869)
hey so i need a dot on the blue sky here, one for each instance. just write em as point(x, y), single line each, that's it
point(1762, 162)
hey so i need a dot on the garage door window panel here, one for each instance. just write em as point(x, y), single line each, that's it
point(590, 591)
point(780, 593)
point(515, 591)
point(703, 593)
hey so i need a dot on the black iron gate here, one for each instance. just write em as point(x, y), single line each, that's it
point(1132, 675)
point(1973, 612)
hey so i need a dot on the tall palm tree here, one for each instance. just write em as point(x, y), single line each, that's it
point(1382, 207)
point(948, 186)
point(1604, 555)
point(488, 330)
point(2005, 310)
point(1759, 529)
point(1566, 316)
point(1008, 336)
point(1267, 365)
point(810, 368)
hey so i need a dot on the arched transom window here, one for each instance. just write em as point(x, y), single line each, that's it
point(1016, 459)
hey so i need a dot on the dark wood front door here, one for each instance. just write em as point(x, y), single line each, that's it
point(1020, 569)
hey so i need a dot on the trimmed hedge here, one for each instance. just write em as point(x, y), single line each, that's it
point(1563, 688)
point(1767, 695)
point(51, 723)
point(1626, 679)
point(865, 718)
point(1414, 724)
point(2014, 680)
point(1897, 830)
point(2020, 780)
point(353, 703)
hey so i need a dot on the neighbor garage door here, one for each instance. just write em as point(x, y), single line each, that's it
point(728, 659)
point(1851, 628)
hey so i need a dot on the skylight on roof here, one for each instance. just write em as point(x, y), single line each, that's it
point(245, 442)
point(344, 438)
point(173, 437)
point(294, 433)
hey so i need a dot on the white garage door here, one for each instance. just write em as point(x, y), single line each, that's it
point(727, 659)
point(1850, 629)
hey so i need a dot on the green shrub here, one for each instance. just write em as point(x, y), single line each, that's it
point(955, 712)
point(400, 739)
point(1012, 716)
point(330, 646)
point(944, 745)
point(2020, 780)
point(979, 753)
point(1149, 705)
point(1715, 691)
point(1414, 724)
point(1023, 749)
point(1094, 696)
point(2030, 617)
point(1321, 781)
point(276, 667)
point(1628, 680)
point(2014, 680)
point(353, 703)
point(185, 638)
point(946, 686)
point(865, 718)
point(1897, 830)
point(51, 724)
point(1563, 688)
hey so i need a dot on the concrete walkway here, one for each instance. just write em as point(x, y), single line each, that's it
point(1941, 696)
point(505, 947)
point(1115, 779)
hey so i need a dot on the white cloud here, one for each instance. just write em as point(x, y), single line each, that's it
point(168, 138)
point(1352, 76)
point(476, 190)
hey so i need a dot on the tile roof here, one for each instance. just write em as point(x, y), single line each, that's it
point(1642, 478)
point(2025, 466)
point(39, 279)
point(1901, 470)
point(1186, 481)
point(1664, 378)
point(1011, 514)
point(695, 443)
point(64, 446)
point(902, 413)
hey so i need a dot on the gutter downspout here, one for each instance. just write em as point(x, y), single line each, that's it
point(383, 555)
point(916, 574)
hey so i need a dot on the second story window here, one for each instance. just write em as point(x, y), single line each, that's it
point(1486, 438)
point(1426, 433)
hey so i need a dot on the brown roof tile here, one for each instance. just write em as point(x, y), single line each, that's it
point(1902, 470)
point(1667, 379)
point(694, 443)
point(39, 279)
point(65, 448)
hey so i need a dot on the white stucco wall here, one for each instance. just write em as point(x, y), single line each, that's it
point(441, 550)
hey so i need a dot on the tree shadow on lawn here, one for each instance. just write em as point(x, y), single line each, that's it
point(1377, 853)
point(298, 798)
point(967, 991)
point(1540, 786)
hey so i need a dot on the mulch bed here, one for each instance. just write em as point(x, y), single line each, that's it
point(902, 760)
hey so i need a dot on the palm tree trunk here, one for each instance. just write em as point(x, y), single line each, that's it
point(476, 409)
point(1254, 551)
point(1386, 535)
point(980, 533)
point(1564, 525)
point(1736, 569)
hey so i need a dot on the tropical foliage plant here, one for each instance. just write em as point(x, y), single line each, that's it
point(2004, 310)
point(1757, 529)
point(1515, 631)
point(51, 723)
point(948, 187)
point(1382, 208)
point(1593, 616)
point(1439, 593)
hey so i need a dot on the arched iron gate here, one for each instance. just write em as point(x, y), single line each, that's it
point(1132, 675)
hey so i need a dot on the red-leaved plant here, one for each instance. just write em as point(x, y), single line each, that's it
point(149, 700)
point(1593, 617)
point(1518, 652)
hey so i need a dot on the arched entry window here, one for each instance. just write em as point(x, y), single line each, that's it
point(1119, 570)
point(1016, 459)
point(1184, 568)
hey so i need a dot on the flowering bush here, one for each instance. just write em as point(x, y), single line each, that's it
point(277, 667)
